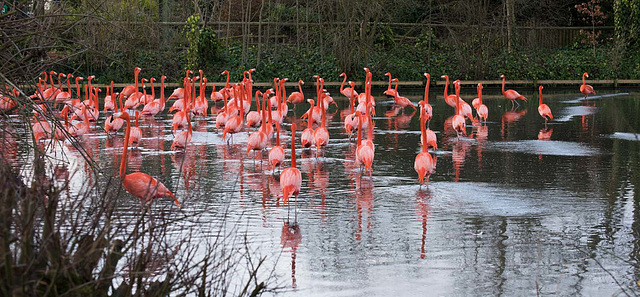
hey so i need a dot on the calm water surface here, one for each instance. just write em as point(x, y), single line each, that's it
point(513, 207)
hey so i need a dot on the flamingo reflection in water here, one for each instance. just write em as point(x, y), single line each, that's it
point(290, 238)
point(423, 209)
point(508, 119)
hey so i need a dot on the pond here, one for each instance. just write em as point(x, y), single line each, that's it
point(513, 208)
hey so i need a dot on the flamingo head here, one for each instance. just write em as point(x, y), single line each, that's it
point(366, 69)
point(387, 74)
point(52, 72)
point(162, 78)
point(301, 82)
point(252, 70)
point(480, 86)
point(444, 76)
point(540, 88)
point(586, 75)
point(285, 79)
point(427, 75)
point(224, 72)
point(137, 70)
point(502, 76)
point(311, 101)
point(152, 79)
point(352, 84)
point(342, 74)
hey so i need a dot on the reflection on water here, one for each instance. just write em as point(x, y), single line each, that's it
point(513, 207)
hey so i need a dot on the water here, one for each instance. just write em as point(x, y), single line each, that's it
point(514, 208)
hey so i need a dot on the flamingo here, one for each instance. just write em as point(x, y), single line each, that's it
point(351, 120)
point(543, 109)
point(113, 123)
point(182, 137)
point(276, 154)
point(258, 140)
point(481, 110)
point(291, 178)
point(321, 135)
point(146, 99)
point(284, 108)
point(402, 102)
point(223, 115)
point(129, 90)
point(511, 94)
point(458, 121)
point(423, 163)
point(155, 107)
point(297, 97)
point(364, 153)
point(449, 99)
point(347, 92)
point(141, 185)
point(216, 96)
point(65, 96)
point(136, 133)
point(390, 92)
point(585, 88)
point(431, 136)
point(110, 100)
point(82, 127)
point(201, 104)
point(307, 135)
point(235, 124)
point(179, 94)
point(254, 118)
point(180, 118)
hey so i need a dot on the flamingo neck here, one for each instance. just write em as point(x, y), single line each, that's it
point(120, 99)
point(258, 102)
point(136, 78)
point(278, 134)
point(226, 85)
point(351, 101)
point(426, 91)
point(479, 96)
point(423, 131)
point(125, 148)
point(310, 119)
point(45, 79)
point(153, 90)
point(162, 93)
point(359, 130)
point(396, 88)
point(324, 113)
point(293, 146)
point(503, 80)
point(583, 81)
point(300, 88)
point(343, 81)
point(446, 87)
point(78, 88)
point(51, 79)
point(540, 103)
point(389, 86)
point(137, 118)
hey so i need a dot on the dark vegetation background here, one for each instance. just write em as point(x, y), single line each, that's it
point(481, 39)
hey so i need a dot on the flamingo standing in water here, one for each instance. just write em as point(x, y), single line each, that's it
point(307, 135)
point(139, 184)
point(276, 154)
point(402, 102)
point(511, 94)
point(321, 134)
point(136, 133)
point(297, 97)
point(113, 123)
point(155, 107)
point(543, 109)
point(351, 120)
point(458, 121)
point(131, 89)
point(347, 92)
point(364, 153)
point(390, 92)
point(254, 118)
point(258, 140)
point(481, 109)
point(423, 163)
point(449, 99)
point(183, 137)
point(291, 178)
point(432, 140)
point(235, 124)
point(585, 88)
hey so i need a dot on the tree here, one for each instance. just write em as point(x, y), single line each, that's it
point(627, 20)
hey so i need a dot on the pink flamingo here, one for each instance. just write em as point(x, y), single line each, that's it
point(449, 99)
point(390, 92)
point(155, 107)
point(321, 134)
point(402, 102)
point(276, 154)
point(254, 118)
point(146, 99)
point(141, 185)
point(511, 94)
point(136, 133)
point(297, 97)
point(364, 152)
point(182, 137)
point(428, 112)
point(585, 88)
point(482, 110)
point(201, 104)
point(351, 120)
point(291, 178)
point(458, 121)
point(258, 140)
point(113, 123)
point(543, 109)
point(129, 90)
point(423, 163)
point(307, 135)
point(235, 124)
point(347, 92)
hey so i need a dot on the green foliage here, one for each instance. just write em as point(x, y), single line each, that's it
point(203, 49)
point(627, 20)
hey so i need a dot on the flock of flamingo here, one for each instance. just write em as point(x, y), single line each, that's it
point(236, 116)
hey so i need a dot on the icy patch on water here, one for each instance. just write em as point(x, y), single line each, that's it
point(539, 147)
point(565, 114)
point(625, 136)
point(596, 97)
